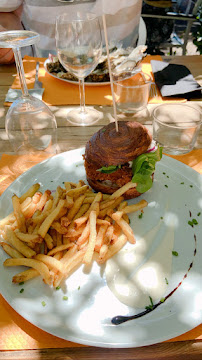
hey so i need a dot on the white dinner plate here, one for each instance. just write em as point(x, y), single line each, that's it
point(74, 82)
point(85, 317)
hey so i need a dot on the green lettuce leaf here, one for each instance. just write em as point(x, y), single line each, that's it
point(143, 167)
point(109, 169)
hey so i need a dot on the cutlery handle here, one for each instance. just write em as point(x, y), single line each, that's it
point(37, 71)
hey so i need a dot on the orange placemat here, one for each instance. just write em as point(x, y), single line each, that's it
point(58, 92)
point(15, 332)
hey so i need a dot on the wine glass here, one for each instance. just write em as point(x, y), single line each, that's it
point(79, 48)
point(30, 125)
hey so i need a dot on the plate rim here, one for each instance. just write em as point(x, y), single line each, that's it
point(168, 160)
point(107, 83)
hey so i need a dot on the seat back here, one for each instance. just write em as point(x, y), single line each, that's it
point(142, 35)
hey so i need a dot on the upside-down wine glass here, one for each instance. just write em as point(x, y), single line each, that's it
point(79, 48)
point(30, 125)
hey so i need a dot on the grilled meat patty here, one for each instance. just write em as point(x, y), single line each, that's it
point(108, 147)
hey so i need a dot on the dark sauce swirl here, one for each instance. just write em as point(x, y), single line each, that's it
point(119, 319)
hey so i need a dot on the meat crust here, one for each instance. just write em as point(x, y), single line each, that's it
point(109, 147)
point(106, 189)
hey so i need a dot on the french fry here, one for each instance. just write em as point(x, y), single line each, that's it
point(93, 207)
point(107, 203)
point(92, 238)
point(28, 237)
point(69, 202)
point(51, 262)
point(85, 234)
point(67, 186)
point(74, 261)
point(60, 248)
point(100, 237)
point(55, 233)
point(83, 209)
point(68, 255)
point(30, 210)
point(13, 253)
point(122, 205)
point(18, 213)
point(33, 263)
point(43, 200)
point(123, 189)
point(49, 241)
point(59, 228)
point(18, 244)
point(47, 206)
point(113, 249)
point(63, 212)
point(124, 226)
point(88, 199)
point(126, 218)
point(36, 197)
point(81, 183)
point(103, 222)
point(75, 208)
point(50, 218)
point(59, 238)
point(30, 192)
point(103, 252)
point(11, 217)
point(75, 193)
point(74, 233)
point(57, 196)
point(25, 276)
point(109, 235)
point(64, 221)
point(116, 203)
point(135, 207)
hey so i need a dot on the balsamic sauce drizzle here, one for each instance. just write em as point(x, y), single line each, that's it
point(119, 319)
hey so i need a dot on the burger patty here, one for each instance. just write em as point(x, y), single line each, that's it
point(108, 147)
point(120, 176)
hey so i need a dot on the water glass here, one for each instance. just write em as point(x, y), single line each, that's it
point(132, 94)
point(176, 127)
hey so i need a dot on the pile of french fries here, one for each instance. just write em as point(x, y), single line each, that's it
point(53, 233)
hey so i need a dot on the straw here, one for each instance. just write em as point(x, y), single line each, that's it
point(110, 72)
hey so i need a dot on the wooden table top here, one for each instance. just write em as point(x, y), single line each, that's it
point(72, 137)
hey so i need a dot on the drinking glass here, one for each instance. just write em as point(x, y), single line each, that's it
point(176, 127)
point(132, 94)
point(30, 125)
point(79, 47)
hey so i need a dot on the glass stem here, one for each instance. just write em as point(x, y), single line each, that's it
point(20, 71)
point(82, 95)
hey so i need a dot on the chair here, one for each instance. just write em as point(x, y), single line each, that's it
point(142, 36)
point(186, 14)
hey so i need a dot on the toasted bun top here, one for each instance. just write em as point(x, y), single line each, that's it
point(109, 147)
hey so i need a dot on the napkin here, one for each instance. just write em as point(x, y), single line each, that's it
point(58, 92)
point(13, 94)
point(16, 333)
point(175, 80)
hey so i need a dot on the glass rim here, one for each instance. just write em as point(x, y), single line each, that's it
point(93, 16)
point(33, 38)
point(186, 126)
point(118, 82)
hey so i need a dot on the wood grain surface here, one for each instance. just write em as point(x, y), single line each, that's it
point(191, 350)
